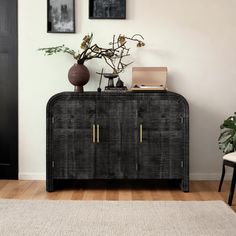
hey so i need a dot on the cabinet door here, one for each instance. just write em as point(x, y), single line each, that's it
point(129, 137)
point(161, 148)
point(115, 152)
point(72, 131)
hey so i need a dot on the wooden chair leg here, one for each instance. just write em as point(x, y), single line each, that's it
point(222, 177)
point(231, 194)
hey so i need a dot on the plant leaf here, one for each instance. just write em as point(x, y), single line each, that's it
point(227, 139)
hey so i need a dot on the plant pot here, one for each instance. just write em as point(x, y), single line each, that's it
point(78, 75)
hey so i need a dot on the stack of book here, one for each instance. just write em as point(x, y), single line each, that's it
point(115, 89)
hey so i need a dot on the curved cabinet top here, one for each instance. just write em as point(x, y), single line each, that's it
point(75, 95)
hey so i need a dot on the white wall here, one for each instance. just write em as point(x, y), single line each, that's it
point(196, 40)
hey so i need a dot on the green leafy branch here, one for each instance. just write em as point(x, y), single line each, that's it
point(227, 139)
point(113, 55)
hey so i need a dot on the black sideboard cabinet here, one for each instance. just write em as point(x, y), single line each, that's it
point(126, 135)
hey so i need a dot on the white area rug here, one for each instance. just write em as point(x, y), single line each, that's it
point(20, 217)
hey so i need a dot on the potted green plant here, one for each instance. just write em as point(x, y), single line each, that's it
point(113, 56)
point(227, 139)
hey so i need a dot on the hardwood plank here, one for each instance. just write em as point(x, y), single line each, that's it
point(125, 195)
point(162, 195)
point(88, 195)
point(3, 183)
point(99, 194)
point(14, 189)
point(112, 195)
point(77, 194)
point(199, 191)
point(142, 195)
point(30, 190)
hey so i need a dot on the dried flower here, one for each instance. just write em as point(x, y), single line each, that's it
point(112, 55)
point(122, 39)
point(87, 38)
point(140, 44)
point(83, 45)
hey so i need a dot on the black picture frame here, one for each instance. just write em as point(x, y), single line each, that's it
point(61, 16)
point(107, 9)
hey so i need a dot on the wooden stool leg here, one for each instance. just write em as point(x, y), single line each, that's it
point(222, 176)
point(231, 194)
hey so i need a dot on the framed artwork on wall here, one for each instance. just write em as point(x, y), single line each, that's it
point(61, 16)
point(107, 9)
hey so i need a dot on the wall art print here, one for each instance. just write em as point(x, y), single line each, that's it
point(107, 9)
point(60, 16)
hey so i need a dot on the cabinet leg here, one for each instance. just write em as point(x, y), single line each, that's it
point(49, 185)
point(185, 185)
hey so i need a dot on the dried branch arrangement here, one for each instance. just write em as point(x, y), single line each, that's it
point(114, 55)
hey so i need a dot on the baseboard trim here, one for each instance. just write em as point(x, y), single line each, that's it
point(193, 176)
point(32, 176)
point(209, 176)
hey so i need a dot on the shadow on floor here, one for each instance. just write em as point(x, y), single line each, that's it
point(118, 184)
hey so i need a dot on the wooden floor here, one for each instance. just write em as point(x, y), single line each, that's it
point(199, 191)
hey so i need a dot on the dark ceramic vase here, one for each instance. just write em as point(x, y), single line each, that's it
point(78, 75)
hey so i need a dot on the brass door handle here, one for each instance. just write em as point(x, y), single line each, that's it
point(94, 134)
point(98, 133)
point(141, 133)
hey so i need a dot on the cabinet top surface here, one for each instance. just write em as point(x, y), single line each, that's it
point(97, 94)
point(129, 95)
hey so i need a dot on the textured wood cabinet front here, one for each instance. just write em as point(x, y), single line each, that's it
point(117, 136)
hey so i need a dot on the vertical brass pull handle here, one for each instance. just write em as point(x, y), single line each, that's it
point(94, 140)
point(141, 133)
point(98, 134)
